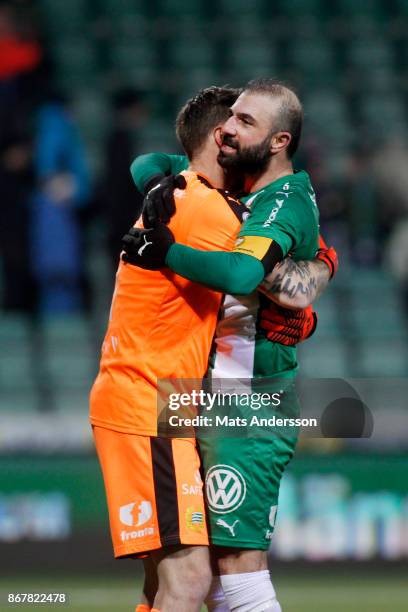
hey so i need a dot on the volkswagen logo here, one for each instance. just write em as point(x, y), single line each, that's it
point(225, 488)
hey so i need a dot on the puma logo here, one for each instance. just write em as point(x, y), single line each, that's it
point(140, 251)
point(230, 528)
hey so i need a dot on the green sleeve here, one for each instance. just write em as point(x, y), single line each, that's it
point(286, 220)
point(234, 273)
point(144, 167)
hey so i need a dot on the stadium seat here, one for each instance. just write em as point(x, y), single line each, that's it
point(135, 62)
point(17, 401)
point(71, 401)
point(364, 280)
point(16, 371)
point(382, 112)
point(375, 364)
point(239, 77)
point(301, 8)
point(250, 58)
point(180, 9)
point(325, 105)
point(158, 136)
point(16, 368)
point(70, 367)
point(72, 329)
point(307, 27)
point(231, 8)
point(350, 8)
point(239, 27)
point(128, 28)
point(313, 61)
point(188, 52)
point(76, 61)
point(14, 329)
point(369, 53)
point(401, 7)
point(118, 8)
point(327, 118)
point(250, 52)
point(374, 321)
point(380, 80)
point(328, 324)
point(367, 295)
point(65, 18)
point(392, 107)
point(323, 358)
point(187, 87)
point(197, 79)
point(92, 113)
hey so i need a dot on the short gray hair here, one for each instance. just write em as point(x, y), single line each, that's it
point(290, 112)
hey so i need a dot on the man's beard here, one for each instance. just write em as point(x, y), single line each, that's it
point(248, 160)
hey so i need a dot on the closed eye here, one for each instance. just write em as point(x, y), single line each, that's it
point(246, 119)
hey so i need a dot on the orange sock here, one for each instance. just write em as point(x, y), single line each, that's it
point(143, 608)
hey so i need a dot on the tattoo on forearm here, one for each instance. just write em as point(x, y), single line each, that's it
point(290, 278)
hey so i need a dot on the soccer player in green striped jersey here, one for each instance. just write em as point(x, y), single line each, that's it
point(243, 474)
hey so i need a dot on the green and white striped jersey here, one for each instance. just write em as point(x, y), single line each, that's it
point(286, 212)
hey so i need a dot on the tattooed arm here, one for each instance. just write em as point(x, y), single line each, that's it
point(296, 284)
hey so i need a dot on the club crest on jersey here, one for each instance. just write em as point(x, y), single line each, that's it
point(225, 488)
point(194, 519)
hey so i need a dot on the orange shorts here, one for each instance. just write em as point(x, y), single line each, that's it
point(154, 491)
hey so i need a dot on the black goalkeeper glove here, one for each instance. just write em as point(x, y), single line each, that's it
point(147, 248)
point(159, 205)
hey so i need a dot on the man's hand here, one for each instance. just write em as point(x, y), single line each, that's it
point(288, 327)
point(159, 205)
point(329, 256)
point(147, 248)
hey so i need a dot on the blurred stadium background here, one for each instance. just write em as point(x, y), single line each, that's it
point(85, 86)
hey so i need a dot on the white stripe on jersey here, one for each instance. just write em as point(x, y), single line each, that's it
point(235, 337)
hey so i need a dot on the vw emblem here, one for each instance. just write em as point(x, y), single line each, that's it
point(225, 488)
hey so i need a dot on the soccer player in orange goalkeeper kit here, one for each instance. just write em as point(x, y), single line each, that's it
point(161, 326)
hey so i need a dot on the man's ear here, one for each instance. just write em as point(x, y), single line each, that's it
point(218, 136)
point(280, 141)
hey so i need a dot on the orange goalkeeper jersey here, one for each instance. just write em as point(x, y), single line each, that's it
point(161, 325)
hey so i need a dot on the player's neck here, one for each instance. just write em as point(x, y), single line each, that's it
point(209, 169)
point(275, 171)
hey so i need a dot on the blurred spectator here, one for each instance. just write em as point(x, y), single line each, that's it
point(119, 197)
point(397, 256)
point(62, 188)
point(363, 211)
point(382, 178)
point(389, 169)
point(16, 183)
point(20, 55)
point(330, 195)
